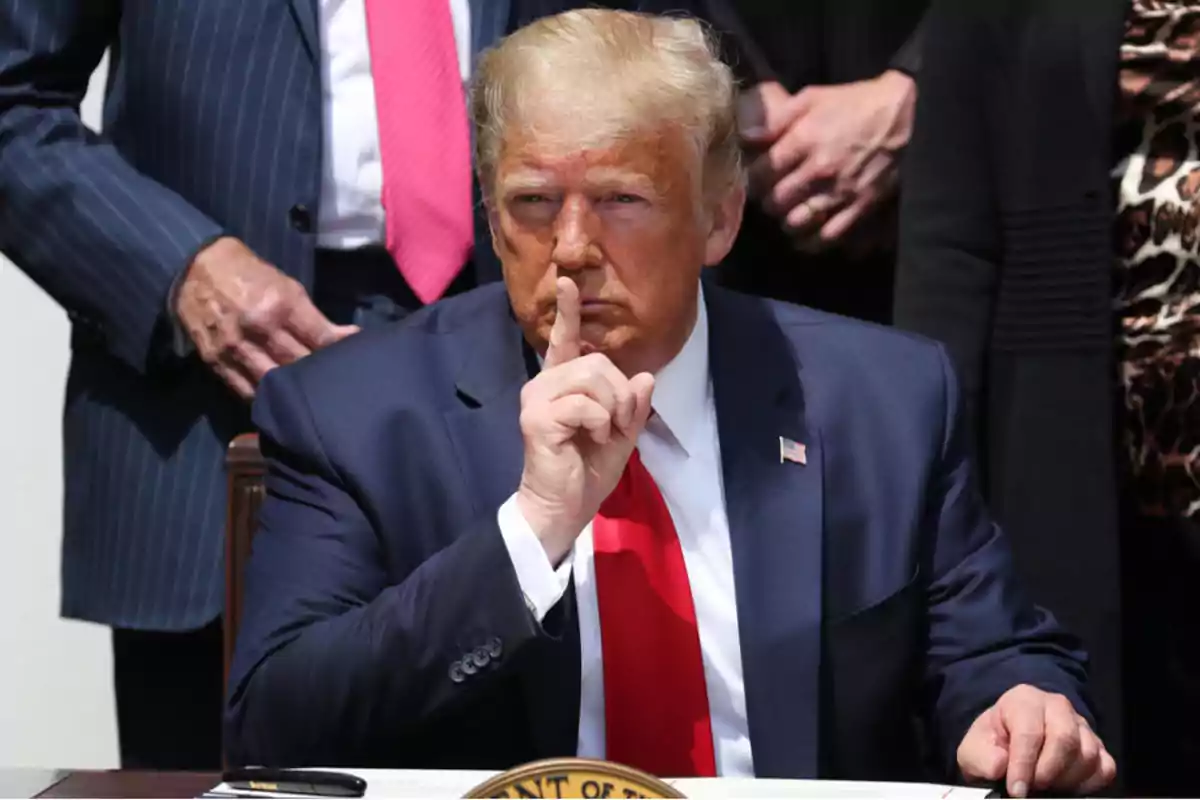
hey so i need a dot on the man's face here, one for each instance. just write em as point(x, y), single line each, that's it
point(625, 223)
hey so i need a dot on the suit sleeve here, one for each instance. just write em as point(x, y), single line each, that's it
point(103, 240)
point(985, 637)
point(908, 58)
point(949, 251)
point(335, 658)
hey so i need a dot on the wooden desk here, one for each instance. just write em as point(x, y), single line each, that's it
point(28, 782)
point(101, 784)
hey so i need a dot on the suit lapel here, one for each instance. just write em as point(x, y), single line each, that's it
point(775, 527)
point(306, 15)
point(486, 435)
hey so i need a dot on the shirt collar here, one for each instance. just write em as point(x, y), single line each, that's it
point(681, 388)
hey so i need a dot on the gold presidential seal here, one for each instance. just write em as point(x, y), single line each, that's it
point(574, 777)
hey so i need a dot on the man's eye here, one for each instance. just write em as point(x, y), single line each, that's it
point(622, 197)
point(531, 199)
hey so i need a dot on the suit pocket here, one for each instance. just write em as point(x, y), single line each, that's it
point(1055, 291)
point(880, 606)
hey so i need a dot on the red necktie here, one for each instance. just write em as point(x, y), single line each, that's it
point(424, 141)
point(655, 699)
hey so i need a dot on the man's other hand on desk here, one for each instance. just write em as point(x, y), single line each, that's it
point(1033, 738)
point(246, 317)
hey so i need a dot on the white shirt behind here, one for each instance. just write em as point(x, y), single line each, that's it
point(351, 209)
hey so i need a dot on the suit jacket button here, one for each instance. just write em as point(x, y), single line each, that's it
point(495, 647)
point(456, 672)
point(301, 218)
point(480, 658)
point(467, 665)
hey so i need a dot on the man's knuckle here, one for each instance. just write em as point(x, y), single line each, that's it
point(256, 318)
point(779, 195)
point(530, 422)
point(228, 344)
point(825, 169)
point(595, 361)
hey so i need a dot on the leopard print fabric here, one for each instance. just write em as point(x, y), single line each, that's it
point(1157, 246)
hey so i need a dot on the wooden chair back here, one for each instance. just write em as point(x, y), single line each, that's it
point(245, 468)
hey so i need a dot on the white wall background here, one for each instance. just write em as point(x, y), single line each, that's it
point(56, 704)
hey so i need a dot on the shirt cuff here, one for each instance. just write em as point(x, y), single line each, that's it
point(181, 344)
point(541, 583)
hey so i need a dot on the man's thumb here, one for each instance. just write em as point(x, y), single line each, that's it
point(759, 120)
point(642, 385)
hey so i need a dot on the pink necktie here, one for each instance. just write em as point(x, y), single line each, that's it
point(424, 141)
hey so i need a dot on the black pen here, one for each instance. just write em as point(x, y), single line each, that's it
point(295, 781)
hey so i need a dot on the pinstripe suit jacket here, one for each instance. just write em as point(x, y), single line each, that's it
point(212, 125)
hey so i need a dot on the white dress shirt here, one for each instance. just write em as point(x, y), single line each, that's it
point(351, 210)
point(681, 451)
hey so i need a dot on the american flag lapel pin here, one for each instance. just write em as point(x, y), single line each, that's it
point(792, 451)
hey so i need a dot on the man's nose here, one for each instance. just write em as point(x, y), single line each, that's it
point(575, 237)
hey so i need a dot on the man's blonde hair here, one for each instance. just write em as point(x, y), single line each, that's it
point(595, 77)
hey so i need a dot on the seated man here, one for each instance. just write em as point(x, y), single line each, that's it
point(626, 514)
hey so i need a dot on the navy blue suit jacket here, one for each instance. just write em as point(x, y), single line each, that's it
point(872, 587)
point(212, 126)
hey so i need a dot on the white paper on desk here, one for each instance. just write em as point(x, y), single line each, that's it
point(700, 788)
point(455, 784)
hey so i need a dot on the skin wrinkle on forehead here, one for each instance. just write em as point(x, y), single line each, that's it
point(540, 160)
point(588, 105)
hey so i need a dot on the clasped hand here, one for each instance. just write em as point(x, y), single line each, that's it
point(828, 155)
point(580, 419)
point(246, 317)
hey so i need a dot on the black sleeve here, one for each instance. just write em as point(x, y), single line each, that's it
point(908, 58)
point(949, 252)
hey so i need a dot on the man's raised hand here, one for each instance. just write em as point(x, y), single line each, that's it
point(580, 419)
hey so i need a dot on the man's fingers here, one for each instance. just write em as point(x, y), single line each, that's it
point(284, 348)
point(1105, 774)
point(251, 361)
point(579, 412)
point(308, 325)
point(779, 161)
point(564, 336)
point(1084, 765)
point(841, 222)
point(235, 380)
point(1025, 723)
point(597, 377)
point(642, 388)
point(806, 219)
point(1061, 743)
point(984, 762)
point(874, 187)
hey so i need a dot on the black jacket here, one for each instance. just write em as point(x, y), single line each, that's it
point(1006, 256)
